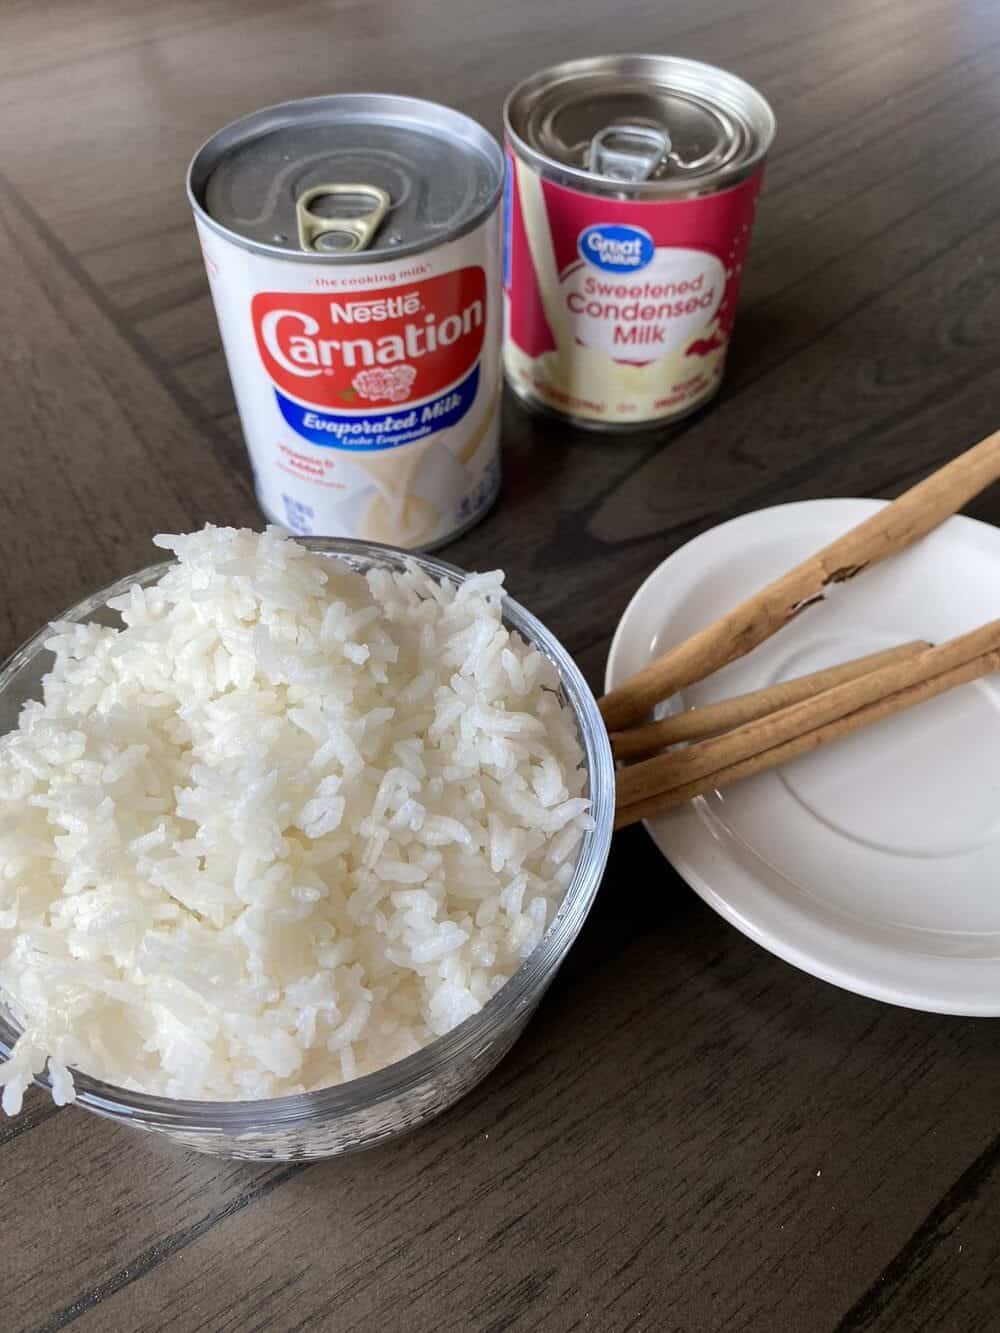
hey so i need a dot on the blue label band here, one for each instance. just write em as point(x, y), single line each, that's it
point(367, 432)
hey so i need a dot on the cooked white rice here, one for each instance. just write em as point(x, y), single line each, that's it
point(285, 827)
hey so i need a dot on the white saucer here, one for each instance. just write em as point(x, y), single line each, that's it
point(875, 863)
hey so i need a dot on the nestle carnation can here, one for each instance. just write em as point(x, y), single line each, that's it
point(632, 184)
point(352, 245)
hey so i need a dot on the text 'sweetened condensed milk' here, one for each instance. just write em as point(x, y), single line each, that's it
point(353, 248)
point(632, 183)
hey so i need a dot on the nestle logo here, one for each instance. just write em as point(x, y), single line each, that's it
point(616, 248)
point(374, 312)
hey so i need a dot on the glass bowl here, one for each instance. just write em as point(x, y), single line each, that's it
point(369, 1110)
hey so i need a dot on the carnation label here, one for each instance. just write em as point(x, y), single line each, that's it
point(369, 406)
point(333, 359)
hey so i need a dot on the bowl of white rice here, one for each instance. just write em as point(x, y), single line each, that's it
point(294, 834)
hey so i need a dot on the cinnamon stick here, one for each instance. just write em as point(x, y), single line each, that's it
point(639, 781)
point(660, 802)
point(695, 724)
point(915, 513)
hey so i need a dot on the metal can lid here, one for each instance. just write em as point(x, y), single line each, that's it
point(642, 125)
point(401, 175)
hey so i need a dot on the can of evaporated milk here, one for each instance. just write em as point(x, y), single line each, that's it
point(353, 250)
point(632, 183)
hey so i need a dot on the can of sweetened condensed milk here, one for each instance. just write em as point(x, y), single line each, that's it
point(632, 183)
point(352, 245)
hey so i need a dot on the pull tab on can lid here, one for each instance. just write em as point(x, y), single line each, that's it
point(628, 152)
point(340, 219)
point(640, 125)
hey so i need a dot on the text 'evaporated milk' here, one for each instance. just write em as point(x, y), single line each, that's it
point(353, 249)
point(632, 183)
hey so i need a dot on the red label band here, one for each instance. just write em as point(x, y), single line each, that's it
point(385, 346)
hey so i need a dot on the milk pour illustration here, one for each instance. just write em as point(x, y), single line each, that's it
point(631, 191)
point(353, 249)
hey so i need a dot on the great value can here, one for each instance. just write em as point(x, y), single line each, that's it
point(632, 183)
point(352, 245)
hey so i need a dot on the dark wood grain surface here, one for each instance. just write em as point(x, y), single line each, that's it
point(691, 1136)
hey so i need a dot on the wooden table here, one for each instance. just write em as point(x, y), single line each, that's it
point(692, 1135)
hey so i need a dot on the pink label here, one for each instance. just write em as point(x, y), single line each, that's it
point(618, 310)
